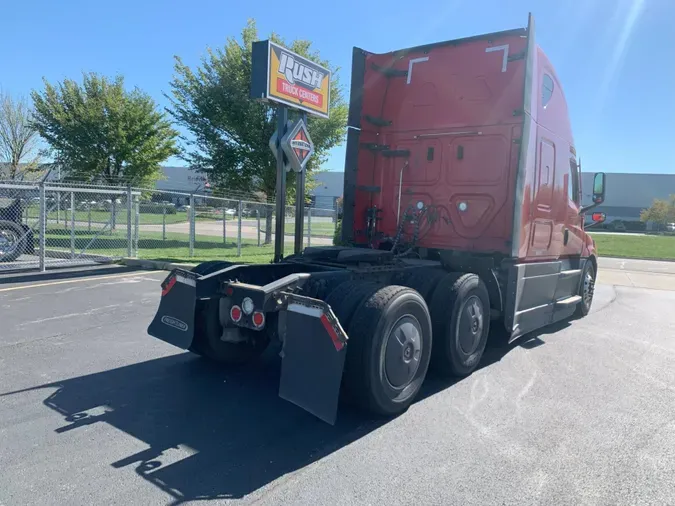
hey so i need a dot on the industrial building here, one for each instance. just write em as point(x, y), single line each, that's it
point(627, 193)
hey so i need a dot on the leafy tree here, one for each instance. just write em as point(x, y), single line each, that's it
point(660, 212)
point(230, 132)
point(100, 132)
point(18, 137)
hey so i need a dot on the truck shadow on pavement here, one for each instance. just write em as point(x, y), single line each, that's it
point(215, 433)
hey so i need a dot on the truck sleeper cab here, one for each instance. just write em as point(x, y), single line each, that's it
point(461, 209)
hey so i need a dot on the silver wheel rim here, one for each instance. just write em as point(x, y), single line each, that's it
point(403, 352)
point(8, 241)
point(588, 289)
point(469, 326)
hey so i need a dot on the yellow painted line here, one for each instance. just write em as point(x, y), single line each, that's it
point(78, 280)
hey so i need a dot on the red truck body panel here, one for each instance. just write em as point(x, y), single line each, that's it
point(476, 130)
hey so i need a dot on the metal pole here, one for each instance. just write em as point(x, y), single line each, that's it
point(136, 225)
point(43, 226)
point(239, 208)
point(299, 211)
point(257, 215)
point(72, 224)
point(129, 203)
point(300, 203)
point(58, 205)
point(309, 226)
point(89, 208)
point(191, 213)
point(224, 226)
point(282, 118)
point(164, 223)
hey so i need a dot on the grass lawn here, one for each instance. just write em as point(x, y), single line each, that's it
point(176, 247)
point(635, 246)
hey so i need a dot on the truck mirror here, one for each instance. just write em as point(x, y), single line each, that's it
point(599, 188)
point(597, 219)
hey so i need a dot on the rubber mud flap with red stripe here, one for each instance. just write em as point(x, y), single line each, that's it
point(175, 319)
point(313, 356)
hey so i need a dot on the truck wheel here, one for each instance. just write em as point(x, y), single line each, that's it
point(461, 321)
point(12, 241)
point(208, 343)
point(586, 290)
point(424, 280)
point(388, 350)
point(347, 297)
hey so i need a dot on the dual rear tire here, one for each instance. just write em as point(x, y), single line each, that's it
point(394, 336)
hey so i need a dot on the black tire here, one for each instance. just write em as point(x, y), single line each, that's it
point(208, 331)
point(345, 299)
point(380, 379)
point(460, 330)
point(17, 235)
point(586, 290)
point(423, 280)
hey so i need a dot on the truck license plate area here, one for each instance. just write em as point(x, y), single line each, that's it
point(313, 358)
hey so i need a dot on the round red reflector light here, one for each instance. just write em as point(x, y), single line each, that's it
point(258, 319)
point(235, 313)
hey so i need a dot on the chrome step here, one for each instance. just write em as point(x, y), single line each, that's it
point(569, 301)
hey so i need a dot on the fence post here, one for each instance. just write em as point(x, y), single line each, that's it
point(257, 215)
point(43, 226)
point(191, 213)
point(58, 205)
point(136, 224)
point(89, 208)
point(129, 204)
point(224, 225)
point(239, 208)
point(309, 227)
point(72, 225)
point(163, 222)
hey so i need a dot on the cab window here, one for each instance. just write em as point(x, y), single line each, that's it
point(573, 184)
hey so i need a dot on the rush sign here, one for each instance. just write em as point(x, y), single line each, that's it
point(282, 76)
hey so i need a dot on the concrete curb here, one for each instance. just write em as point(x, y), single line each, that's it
point(650, 259)
point(154, 264)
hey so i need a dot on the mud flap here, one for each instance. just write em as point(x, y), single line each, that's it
point(175, 319)
point(313, 356)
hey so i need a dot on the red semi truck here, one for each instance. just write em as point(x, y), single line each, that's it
point(462, 209)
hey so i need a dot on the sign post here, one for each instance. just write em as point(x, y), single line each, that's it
point(287, 79)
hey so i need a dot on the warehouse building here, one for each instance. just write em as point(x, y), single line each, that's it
point(627, 194)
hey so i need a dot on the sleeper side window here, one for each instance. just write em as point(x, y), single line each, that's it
point(546, 90)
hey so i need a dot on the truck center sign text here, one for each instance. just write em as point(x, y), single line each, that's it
point(283, 76)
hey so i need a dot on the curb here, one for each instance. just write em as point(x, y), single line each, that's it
point(154, 264)
point(648, 259)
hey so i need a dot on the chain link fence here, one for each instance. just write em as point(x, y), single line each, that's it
point(45, 225)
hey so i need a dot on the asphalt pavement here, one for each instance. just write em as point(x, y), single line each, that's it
point(94, 411)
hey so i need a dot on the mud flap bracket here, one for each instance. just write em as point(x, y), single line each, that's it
point(313, 356)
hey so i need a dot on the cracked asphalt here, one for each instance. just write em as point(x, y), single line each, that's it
point(94, 411)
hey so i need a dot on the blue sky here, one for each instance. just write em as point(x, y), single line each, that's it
point(615, 58)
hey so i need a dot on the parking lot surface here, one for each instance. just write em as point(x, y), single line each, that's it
point(94, 411)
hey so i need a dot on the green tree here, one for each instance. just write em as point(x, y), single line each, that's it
point(660, 212)
point(229, 132)
point(100, 132)
point(18, 138)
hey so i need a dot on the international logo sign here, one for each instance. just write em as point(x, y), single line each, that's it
point(286, 77)
point(297, 145)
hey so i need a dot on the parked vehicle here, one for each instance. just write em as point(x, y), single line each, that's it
point(461, 210)
point(16, 239)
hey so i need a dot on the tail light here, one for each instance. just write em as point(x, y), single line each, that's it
point(258, 319)
point(235, 314)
